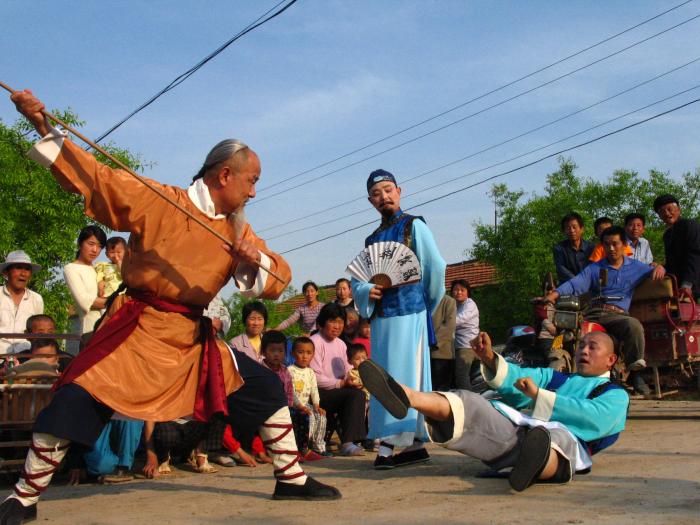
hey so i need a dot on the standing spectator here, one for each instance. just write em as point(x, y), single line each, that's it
point(681, 243)
point(306, 313)
point(340, 396)
point(81, 279)
point(218, 313)
point(466, 329)
point(634, 228)
point(343, 294)
point(442, 354)
point(17, 302)
point(109, 274)
point(571, 255)
point(254, 319)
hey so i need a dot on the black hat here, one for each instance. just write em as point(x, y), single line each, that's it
point(663, 200)
point(379, 176)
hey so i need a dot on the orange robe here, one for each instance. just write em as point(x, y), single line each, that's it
point(153, 374)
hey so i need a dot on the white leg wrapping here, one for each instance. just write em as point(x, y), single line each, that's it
point(43, 459)
point(277, 434)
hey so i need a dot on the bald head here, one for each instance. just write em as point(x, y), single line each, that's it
point(595, 354)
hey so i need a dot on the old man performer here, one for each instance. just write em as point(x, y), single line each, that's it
point(400, 322)
point(155, 357)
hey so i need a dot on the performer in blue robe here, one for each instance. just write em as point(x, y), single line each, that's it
point(401, 326)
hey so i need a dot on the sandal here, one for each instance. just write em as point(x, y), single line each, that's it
point(204, 468)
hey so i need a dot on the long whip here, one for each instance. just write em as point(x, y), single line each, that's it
point(140, 179)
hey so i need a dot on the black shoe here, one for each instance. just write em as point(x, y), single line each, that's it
point(532, 459)
point(383, 387)
point(384, 463)
point(12, 512)
point(310, 491)
point(637, 382)
point(411, 457)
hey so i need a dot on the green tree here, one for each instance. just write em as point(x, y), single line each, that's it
point(39, 217)
point(521, 247)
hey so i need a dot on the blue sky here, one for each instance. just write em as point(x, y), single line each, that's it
point(327, 77)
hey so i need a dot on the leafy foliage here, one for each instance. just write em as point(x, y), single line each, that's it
point(521, 247)
point(39, 217)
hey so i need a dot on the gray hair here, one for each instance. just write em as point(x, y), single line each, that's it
point(222, 152)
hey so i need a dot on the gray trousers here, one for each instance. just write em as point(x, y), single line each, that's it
point(464, 359)
point(626, 329)
point(478, 430)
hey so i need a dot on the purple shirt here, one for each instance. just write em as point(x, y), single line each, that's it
point(330, 361)
point(286, 379)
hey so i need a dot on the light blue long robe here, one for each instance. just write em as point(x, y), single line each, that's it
point(400, 344)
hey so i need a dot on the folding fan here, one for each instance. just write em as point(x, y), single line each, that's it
point(387, 263)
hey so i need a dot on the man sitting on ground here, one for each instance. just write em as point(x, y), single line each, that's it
point(624, 274)
point(546, 425)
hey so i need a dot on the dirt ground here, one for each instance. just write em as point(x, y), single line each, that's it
point(652, 475)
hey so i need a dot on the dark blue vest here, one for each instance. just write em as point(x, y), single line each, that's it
point(407, 299)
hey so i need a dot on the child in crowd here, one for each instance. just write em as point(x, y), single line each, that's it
point(357, 353)
point(306, 396)
point(109, 275)
point(600, 225)
point(363, 335)
point(274, 346)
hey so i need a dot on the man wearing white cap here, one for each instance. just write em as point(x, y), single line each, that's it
point(17, 302)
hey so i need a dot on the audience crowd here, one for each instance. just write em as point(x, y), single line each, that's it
point(318, 369)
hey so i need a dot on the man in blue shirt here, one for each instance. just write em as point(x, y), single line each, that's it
point(571, 255)
point(545, 424)
point(624, 274)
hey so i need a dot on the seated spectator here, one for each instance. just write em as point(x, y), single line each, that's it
point(254, 316)
point(218, 313)
point(307, 398)
point(364, 332)
point(681, 243)
point(544, 424)
point(356, 355)
point(571, 255)
point(17, 301)
point(634, 228)
point(343, 294)
point(41, 360)
point(81, 279)
point(624, 274)
point(109, 275)
point(599, 226)
point(352, 324)
point(341, 397)
point(442, 353)
point(174, 441)
point(306, 313)
point(40, 324)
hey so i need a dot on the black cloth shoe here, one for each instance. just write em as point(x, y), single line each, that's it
point(383, 387)
point(411, 457)
point(532, 459)
point(384, 463)
point(12, 512)
point(312, 490)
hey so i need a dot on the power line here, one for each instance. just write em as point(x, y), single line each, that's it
point(508, 172)
point(471, 155)
point(479, 97)
point(184, 76)
point(471, 115)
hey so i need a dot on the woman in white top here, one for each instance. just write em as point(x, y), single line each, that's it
point(466, 329)
point(81, 279)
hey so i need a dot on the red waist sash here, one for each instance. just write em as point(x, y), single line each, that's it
point(211, 388)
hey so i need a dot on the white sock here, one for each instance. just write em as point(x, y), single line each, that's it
point(385, 450)
point(43, 458)
point(277, 434)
